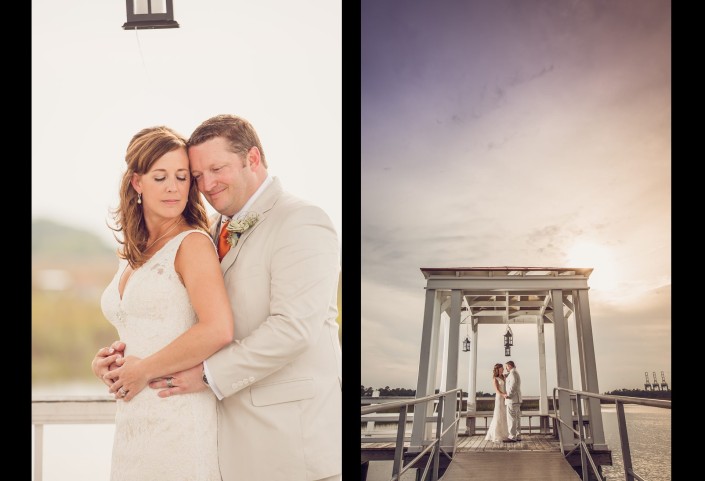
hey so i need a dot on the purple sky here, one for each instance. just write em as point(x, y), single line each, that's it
point(524, 133)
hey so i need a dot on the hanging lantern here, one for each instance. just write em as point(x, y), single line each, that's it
point(508, 338)
point(142, 14)
point(466, 342)
point(508, 341)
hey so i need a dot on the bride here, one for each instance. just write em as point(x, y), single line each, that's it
point(169, 305)
point(498, 429)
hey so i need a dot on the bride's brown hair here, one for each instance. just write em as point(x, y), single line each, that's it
point(494, 370)
point(146, 147)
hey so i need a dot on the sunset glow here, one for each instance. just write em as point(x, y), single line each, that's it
point(605, 276)
point(550, 130)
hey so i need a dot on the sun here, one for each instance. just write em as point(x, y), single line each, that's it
point(604, 277)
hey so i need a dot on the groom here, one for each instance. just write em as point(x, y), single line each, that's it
point(279, 382)
point(513, 402)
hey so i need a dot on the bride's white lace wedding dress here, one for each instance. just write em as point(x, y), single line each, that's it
point(172, 438)
point(499, 428)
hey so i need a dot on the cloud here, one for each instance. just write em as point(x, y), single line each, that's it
point(507, 133)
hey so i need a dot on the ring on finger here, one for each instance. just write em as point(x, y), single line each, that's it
point(123, 392)
point(169, 382)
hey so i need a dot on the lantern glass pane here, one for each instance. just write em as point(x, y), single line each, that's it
point(158, 6)
point(144, 7)
point(141, 7)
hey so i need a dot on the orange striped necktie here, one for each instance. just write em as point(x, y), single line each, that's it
point(223, 246)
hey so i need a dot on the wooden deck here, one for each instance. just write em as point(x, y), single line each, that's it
point(470, 444)
point(537, 457)
point(510, 465)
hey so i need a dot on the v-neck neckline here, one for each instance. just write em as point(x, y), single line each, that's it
point(121, 296)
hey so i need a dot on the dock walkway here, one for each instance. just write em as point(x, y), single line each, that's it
point(510, 465)
point(537, 457)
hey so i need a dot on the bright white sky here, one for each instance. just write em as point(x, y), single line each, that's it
point(94, 85)
point(517, 133)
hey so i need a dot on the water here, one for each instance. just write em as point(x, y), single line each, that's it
point(649, 431)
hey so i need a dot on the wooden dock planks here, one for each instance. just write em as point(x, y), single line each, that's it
point(510, 465)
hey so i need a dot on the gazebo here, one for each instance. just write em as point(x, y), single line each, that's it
point(506, 295)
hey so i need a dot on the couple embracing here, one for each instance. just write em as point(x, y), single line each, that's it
point(506, 418)
point(228, 365)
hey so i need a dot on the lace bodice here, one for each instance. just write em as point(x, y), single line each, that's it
point(501, 384)
point(155, 308)
point(149, 430)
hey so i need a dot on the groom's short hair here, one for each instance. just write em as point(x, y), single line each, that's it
point(239, 133)
point(511, 363)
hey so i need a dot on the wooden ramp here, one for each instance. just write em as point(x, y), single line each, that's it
point(510, 466)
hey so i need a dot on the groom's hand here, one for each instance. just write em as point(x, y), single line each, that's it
point(190, 380)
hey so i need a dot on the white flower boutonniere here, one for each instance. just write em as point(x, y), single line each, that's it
point(239, 225)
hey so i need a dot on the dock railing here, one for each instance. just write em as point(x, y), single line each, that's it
point(433, 462)
point(67, 410)
point(619, 401)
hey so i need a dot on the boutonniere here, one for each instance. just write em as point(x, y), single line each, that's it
point(239, 225)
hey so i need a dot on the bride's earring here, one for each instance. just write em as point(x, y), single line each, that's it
point(139, 198)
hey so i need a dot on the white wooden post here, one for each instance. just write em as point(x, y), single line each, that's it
point(38, 454)
point(590, 378)
point(428, 359)
point(543, 385)
point(444, 352)
point(566, 411)
point(449, 409)
point(566, 333)
point(581, 360)
point(472, 380)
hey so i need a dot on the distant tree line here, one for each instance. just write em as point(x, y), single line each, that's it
point(386, 391)
point(400, 391)
point(640, 393)
point(366, 391)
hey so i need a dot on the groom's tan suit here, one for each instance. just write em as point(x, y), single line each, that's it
point(280, 419)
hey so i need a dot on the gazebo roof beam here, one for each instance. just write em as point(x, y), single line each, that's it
point(546, 305)
point(501, 320)
point(514, 284)
point(486, 303)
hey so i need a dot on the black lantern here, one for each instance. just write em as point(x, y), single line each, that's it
point(508, 338)
point(142, 14)
point(508, 342)
point(466, 342)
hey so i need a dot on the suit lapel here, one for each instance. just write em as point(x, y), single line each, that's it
point(216, 222)
point(262, 206)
